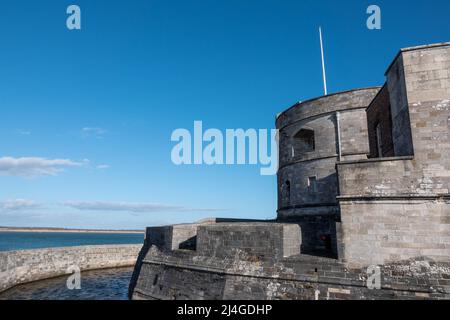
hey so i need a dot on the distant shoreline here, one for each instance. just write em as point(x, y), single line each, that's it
point(18, 229)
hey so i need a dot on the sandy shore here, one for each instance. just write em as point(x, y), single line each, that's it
point(12, 229)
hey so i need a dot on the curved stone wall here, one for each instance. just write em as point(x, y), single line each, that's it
point(312, 136)
point(345, 100)
point(307, 182)
point(17, 267)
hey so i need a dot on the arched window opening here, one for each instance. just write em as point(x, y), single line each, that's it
point(304, 141)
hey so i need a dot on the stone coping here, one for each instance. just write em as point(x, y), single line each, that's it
point(245, 224)
point(375, 160)
point(415, 48)
point(326, 97)
point(401, 197)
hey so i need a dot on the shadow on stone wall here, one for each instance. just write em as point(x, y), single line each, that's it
point(137, 268)
point(318, 236)
point(189, 244)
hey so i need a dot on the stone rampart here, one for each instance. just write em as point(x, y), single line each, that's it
point(183, 274)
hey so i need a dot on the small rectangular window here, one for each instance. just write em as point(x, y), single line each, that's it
point(312, 184)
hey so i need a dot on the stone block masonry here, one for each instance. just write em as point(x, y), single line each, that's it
point(262, 261)
point(184, 274)
point(18, 267)
point(397, 208)
point(181, 236)
point(401, 230)
point(363, 203)
point(260, 240)
point(307, 180)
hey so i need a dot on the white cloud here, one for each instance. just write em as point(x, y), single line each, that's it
point(34, 166)
point(23, 132)
point(95, 132)
point(17, 204)
point(103, 166)
point(130, 207)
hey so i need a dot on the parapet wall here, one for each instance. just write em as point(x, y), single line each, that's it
point(183, 274)
point(385, 231)
point(18, 267)
point(173, 237)
point(263, 261)
point(271, 240)
point(259, 239)
point(386, 177)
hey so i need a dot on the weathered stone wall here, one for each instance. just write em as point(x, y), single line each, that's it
point(319, 115)
point(401, 128)
point(302, 194)
point(258, 239)
point(182, 236)
point(17, 267)
point(427, 77)
point(354, 133)
point(377, 178)
point(318, 232)
point(223, 239)
point(325, 140)
point(379, 114)
point(398, 208)
point(359, 98)
point(311, 176)
point(307, 182)
point(159, 281)
point(244, 261)
point(297, 195)
point(386, 231)
point(186, 275)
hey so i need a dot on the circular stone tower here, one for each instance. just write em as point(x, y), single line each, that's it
point(314, 135)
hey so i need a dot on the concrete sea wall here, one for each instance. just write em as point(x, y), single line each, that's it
point(18, 267)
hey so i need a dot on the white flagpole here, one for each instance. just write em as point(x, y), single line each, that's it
point(323, 63)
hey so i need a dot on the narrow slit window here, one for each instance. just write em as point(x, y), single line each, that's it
point(288, 193)
point(379, 133)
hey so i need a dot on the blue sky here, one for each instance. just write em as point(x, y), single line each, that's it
point(87, 115)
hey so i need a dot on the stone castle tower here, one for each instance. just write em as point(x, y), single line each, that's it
point(314, 136)
point(363, 183)
point(366, 172)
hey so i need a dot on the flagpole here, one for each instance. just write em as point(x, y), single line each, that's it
point(323, 63)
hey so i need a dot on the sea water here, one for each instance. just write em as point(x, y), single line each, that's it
point(36, 240)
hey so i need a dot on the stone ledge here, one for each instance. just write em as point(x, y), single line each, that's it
point(400, 197)
point(375, 160)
